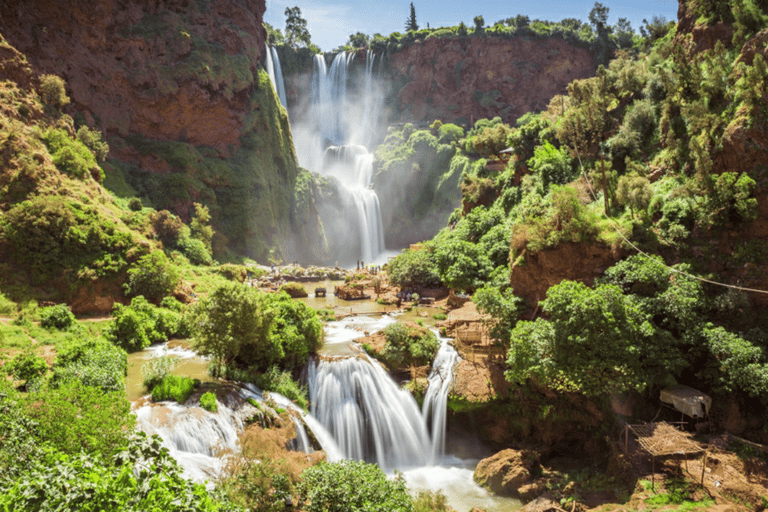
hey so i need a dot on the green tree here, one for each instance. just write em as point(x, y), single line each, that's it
point(352, 486)
point(200, 226)
point(461, 265)
point(154, 276)
point(410, 23)
point(479, 24)
point(598, 17)
point(358, 40)
point(296, 32)
point(234, 316)
point(503, 307)
point(595, 342)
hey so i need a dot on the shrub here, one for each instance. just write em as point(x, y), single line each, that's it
point(70, 155)
point(52, 91)
point(154, 276)
point(26, 366)
point(413, 268)
point(174, 387)
point(92, 362)
point(408, 346)
point(281, 382)
point(233, 272)
point(134, 204)
point(57, 317)
point(293, 289)
point(167, 227)
point(93, 140)
point(156, 369)
point(348, 486)
point(208, 402)
point(196, 251)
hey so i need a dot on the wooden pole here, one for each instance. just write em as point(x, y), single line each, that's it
point(703, 467)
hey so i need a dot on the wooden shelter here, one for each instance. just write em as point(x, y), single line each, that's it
point(663, 440)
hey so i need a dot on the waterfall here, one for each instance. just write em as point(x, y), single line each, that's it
point(279, 83)
point(275, 72)
point(436, 399)
point(368, 415)
point(371, 418)
point(342, 121)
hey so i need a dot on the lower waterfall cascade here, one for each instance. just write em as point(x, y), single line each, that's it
point(357, 412)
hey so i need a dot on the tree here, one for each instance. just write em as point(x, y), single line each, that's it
point(410, 23)
point(296, 32)
point(479, 23)
point(352, 486)
point(200, 226)
point(358, 40)
point(598, 17)
point(232, 317)
point(154, 276)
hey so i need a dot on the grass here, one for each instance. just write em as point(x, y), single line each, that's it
point(678, 495)
point(173, 387)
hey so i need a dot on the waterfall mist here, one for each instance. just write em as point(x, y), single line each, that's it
point(334, 129)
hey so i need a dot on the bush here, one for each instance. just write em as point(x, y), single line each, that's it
point(156, 369)
point(208, 402)
point(52, 91)
point(408, 346)
point(93, 140)
point(233, 272)
point(26, 366)
point(56, 317)
point(174, 387)
point(281, 382)
point(413, 268)
point(134, 204)
point(196, 251)
point(91, 362)
point(70, 155)
point(154, 276)
point(294, 289)
point(141, 324)
point(352, 486)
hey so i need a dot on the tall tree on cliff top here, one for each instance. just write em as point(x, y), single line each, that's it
point(410, 23)
point(296, 32)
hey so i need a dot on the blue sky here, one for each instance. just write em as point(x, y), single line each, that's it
point(331, 22)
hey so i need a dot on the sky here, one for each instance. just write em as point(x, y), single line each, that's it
point(331, 22)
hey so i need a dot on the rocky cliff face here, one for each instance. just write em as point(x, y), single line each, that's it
point(177, 88)
point(472, 78)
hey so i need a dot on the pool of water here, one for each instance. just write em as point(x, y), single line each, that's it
point(190, 364)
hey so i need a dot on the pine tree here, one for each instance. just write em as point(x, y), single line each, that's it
point(410, 23)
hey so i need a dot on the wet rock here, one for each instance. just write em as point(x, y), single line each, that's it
point(507, 471)
point(541, 505)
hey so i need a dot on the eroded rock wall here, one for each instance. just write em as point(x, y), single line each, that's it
point(472, 78)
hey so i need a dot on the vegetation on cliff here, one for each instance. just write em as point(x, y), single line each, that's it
point(636, 159)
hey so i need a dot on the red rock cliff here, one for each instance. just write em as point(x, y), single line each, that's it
point(132, 66)
point(484, 77)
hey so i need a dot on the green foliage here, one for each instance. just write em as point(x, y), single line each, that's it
point(200, 226)
point(175, 387)
point(298, 329)
point(736, 363)
point(596, 341)
point(55, 236)
point(294, 289)
point(70, 155)
point(142, 477)
point(26, 366)
point(408, 346)
point(429, 501)
point(208, 402)
point(78, 417)
point(410, 23)
point(233, 272)
point(157, 368)
point(57, 317)
point(296, 33)
point(91, 362)
point(93, 140)
point(231, 318)
point(154, 276)
point(282, 383)
point(141, 324)
point(553, 165)
point(412, 268)
point(52, 91)
point(134, 204)
point(730, 200)
point(461, 265)
point(352, 486)
point(492, 140)
point(503, 307)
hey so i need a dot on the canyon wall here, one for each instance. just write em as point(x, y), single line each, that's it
point(465, 79)
point(177, 88)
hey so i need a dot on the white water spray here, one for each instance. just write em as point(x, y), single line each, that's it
point(340, 125)
point(275, 72)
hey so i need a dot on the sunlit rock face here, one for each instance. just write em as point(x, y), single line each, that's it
point(475, 78)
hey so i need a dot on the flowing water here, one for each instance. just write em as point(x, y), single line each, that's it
point(357, 412)
point(275, 73)
point(333, 133)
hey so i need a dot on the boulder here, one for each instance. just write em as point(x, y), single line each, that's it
point(507, 471)
point(542, 505)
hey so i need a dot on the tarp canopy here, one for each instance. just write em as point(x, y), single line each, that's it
point(687, 400)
